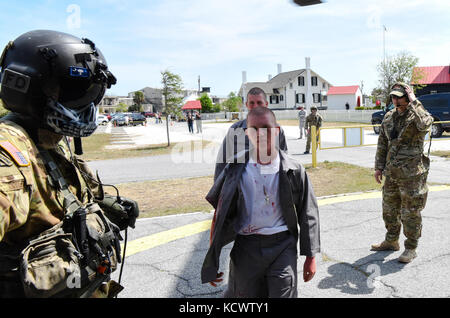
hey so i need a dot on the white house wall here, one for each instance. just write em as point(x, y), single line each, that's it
point(289, 93)
point(337, 102)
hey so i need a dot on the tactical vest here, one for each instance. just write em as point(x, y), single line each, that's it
point(71, 259)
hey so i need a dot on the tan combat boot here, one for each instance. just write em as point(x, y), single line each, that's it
point(386, 246)
point(407, 256)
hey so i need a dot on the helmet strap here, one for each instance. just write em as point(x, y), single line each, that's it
point(78, 146)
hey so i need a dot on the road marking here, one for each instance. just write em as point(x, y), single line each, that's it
point(154, 240)
point(151, 241)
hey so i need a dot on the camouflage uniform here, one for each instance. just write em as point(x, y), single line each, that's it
point(312, 120)
point(29, 204)
point(405, 167)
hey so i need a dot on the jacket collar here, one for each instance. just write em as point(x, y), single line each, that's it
point(286, 163)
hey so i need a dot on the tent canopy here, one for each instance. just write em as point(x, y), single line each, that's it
point(193, 104)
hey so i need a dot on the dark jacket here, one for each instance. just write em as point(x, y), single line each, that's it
point(298, 203)
point(239, 146)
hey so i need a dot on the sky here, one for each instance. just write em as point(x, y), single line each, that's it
point(218, 39)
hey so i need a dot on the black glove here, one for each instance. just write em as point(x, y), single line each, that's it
point(121, 211)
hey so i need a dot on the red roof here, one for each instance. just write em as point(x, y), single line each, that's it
point(433, 74)
point(192, 104)
point(343, 90)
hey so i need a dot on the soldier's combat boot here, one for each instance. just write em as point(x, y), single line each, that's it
point(407, 256)
point(386, 246)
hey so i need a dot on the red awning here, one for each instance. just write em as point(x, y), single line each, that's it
point(193, 104)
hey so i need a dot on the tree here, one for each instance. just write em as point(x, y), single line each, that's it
point(217, 108)
point(122, 107)
point(138, 100)
point(207, 105)
point(233, 103)
point(398, 68)
point(172, 96)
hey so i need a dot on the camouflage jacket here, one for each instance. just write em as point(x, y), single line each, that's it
point(314, 120)
point(401, 142)
point(29, 204)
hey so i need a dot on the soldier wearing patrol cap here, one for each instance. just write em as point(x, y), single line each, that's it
point(401, 160)
point(52, 207)
point(313, 119)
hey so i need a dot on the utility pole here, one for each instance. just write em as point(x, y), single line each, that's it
point(384, 44)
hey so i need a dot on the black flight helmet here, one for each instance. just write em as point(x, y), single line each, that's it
point(55, 78)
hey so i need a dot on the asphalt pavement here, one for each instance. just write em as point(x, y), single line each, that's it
point(345, 267)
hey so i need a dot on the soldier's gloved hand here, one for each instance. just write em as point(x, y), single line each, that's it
point(121, 211)
point(132, 209)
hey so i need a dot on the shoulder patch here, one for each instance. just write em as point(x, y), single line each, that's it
point(15, 154)
point(5, 161)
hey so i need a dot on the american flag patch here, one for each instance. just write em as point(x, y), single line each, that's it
point(15, 154)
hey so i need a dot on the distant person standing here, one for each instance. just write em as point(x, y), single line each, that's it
point(302, 121)
point(347, 106)
point(190, 122)
point(313, 119)
point(198, 122)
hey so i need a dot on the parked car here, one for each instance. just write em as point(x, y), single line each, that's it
point(377, 117)
point(137, 119)
point(148, 114)
point(438, 105)
point(118, 120)
point(102, 120)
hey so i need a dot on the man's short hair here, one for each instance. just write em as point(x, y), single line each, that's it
point(256, 91)
point(262, 111)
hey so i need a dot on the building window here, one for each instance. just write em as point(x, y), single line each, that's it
point(291, 85)
point(281, 98)
point(314, 81)
point(324, 85)
point(273, 99)
point(316, 98)
point(301, 81)
point(300, 98)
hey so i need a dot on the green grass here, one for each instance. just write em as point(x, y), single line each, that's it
point(441, 153)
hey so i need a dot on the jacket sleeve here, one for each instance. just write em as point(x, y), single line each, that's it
point(308, 216)
point(382, 149)
point(14, 200)
point(422, 118)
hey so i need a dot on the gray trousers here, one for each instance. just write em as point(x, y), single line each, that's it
point(302, 127)
point(263, 266)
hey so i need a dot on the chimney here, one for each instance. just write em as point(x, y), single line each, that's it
point(269, 77)
point(244, 77)
point(307, 63)
point(279, 68)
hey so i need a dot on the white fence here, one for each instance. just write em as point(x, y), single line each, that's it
point(356, 116)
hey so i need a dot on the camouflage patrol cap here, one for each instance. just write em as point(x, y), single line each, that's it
point(398, 89)
point(313, 107)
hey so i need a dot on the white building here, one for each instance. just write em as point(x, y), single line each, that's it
point(339, 96)
point(290, 90)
